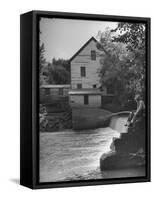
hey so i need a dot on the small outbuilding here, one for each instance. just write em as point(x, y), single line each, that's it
point(51, 92)
point(85, 97)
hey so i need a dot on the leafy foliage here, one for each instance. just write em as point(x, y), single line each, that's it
point(123, 61)
point(62, 62)
point(57, 72)
point(42, 60)
point(132, 34)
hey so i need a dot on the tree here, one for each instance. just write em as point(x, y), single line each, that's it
point(42, 65)
point(133, 35)
point(114, 66)
point(57, 74)
point(42, 60)
point(123, 60)
point(62, 62)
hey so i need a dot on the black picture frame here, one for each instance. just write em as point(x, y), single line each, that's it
point(29, 98)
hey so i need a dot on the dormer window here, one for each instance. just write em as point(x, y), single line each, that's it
point(93, 55)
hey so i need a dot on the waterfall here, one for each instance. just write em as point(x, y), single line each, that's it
point(118, 123)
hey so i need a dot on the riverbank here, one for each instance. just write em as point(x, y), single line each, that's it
point(56, 121)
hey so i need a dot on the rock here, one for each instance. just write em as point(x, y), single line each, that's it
point(114, 160)
point(128, 150)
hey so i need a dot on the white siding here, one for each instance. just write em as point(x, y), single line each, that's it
point(95, 100)
point(92, 67)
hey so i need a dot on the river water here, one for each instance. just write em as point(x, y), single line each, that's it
point(74, 155)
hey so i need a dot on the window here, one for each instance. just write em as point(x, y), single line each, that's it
point(83, 71)
point(93, 55)
point(94, 86)
point(79, 85)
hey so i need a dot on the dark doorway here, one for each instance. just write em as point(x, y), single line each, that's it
point(86, 100)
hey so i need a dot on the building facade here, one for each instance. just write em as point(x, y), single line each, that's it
point(85, 66)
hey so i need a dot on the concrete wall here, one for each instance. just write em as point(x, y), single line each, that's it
point(92, 67)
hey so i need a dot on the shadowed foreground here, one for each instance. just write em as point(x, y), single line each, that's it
point(128, 151)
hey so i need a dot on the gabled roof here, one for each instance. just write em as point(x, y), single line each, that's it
point(92, 38)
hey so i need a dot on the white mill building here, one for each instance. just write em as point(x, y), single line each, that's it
point(85, 66)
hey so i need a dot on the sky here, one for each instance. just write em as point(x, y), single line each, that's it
point(64, 37)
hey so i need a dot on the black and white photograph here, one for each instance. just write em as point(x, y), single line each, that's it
point(92, 99)
point(76, 100)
